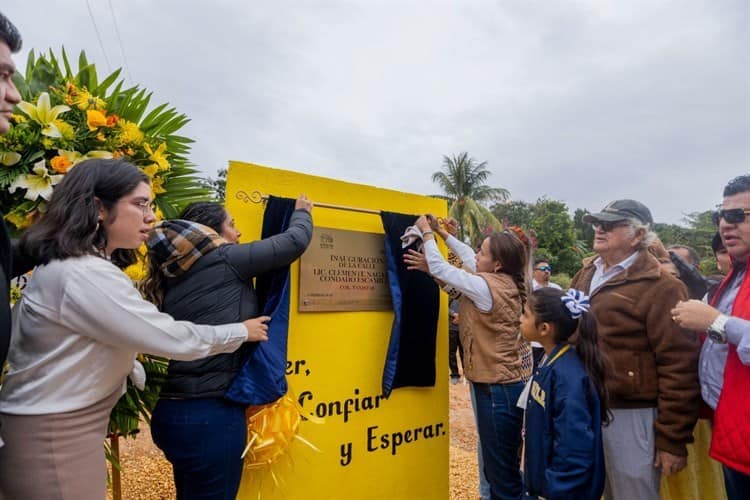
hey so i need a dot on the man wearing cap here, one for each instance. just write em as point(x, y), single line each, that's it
point(725, 355)
point(653, 380)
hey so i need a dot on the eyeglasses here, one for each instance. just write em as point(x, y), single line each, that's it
point(144, 205)
point(731, 215)
point(546, 269)
point(608, 226)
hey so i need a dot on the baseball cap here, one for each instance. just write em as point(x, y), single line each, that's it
point(621, 210)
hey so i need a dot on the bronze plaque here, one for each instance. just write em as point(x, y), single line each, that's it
point(344, 271)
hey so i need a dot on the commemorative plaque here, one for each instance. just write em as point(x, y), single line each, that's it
point(344, 271)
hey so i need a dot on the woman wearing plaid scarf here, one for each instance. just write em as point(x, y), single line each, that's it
point(200, 272)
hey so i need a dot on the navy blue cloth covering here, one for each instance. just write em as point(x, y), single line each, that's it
point(410, 360)
point(262, 379)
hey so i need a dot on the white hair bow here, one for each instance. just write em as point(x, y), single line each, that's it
point(577, 302)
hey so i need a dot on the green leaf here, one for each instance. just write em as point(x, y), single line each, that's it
point(101, 89)
point(68, 72)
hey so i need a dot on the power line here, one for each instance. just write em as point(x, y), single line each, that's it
point(119, 42)
point(99, 37)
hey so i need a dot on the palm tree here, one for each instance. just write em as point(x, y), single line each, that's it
point(462, 180)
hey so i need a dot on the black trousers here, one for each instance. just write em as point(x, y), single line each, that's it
point(454, 344)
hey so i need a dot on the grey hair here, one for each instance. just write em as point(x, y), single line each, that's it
point(648, 235)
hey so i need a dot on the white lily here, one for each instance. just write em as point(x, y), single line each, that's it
point(38, 184)
point(44, 114)
point(9, 158)
point(98, 154)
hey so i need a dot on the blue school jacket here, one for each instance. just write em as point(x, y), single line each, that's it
point(564, 455)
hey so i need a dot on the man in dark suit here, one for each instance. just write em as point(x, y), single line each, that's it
point(10, 42)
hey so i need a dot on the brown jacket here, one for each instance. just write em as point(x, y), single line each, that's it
point(655, 362)
point(492, 342)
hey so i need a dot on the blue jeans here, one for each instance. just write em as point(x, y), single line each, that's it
point(737, 483)
point(484, 485)
point(203, 440)
point(499, 423)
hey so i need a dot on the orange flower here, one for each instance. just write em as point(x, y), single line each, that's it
point(112, 120)
point(60, 164)
point(95, 119)
point(117, 153)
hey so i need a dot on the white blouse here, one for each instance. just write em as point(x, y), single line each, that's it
point(471, 285)
point(76, 332)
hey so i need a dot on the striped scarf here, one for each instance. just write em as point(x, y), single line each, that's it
point(178, 244)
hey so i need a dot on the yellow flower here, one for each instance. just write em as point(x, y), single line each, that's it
point(136, 272)
point(18, 118)
point(95, 119)
point(158, 214)
point(157, 186)
point(66, 129)
point(44, 114)
point(84, 100)
point(158, 156)
point(151, 170)
point(18, 219)
point(129, 133)
point(60, 164)
point(73, 157)
point(100, 137)
point(47, 143)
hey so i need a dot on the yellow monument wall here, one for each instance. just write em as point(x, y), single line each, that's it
point(370, 447)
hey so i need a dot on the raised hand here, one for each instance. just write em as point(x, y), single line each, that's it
point(257, 329)
point(303, 203)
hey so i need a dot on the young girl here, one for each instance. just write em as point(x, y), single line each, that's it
point(567, 402)
point(497, 361)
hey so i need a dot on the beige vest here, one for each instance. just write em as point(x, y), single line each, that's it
point(494, 350)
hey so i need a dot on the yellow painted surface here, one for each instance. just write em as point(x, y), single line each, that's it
point(338, 357)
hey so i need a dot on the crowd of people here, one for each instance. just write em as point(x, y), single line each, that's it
point(597, 390)
point(613, 403)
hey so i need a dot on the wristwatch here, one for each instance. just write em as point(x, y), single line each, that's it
point(717, 331)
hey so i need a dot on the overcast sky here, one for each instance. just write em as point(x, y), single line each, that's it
point(582, 101)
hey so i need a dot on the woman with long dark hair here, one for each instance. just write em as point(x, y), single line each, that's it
point(199, 272)
point(497, 360)
point(568, 400)
point(77, 330)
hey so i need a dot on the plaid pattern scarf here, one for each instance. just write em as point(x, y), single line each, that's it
point(178, 244)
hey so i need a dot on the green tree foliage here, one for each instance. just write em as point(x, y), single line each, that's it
point(217, 186)
point(514, 213)
point(550, 224)
point(463, 181)
point(697, 232)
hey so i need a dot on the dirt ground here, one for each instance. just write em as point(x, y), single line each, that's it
point(147, 475)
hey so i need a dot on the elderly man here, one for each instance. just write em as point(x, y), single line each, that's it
point(653, 386)
point(10, 41)
point(725, 355)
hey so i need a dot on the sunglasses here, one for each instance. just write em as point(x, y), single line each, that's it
point(731, 215)
point(544, 268)
point(608, 226)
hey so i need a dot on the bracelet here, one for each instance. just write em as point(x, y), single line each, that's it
point(426, 233)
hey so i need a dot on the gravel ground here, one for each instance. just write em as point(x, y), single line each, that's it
point(147, 475)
